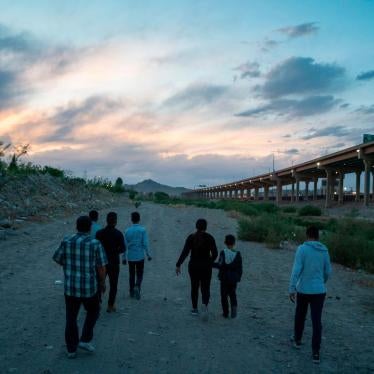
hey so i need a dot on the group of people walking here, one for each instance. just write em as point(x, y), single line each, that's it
point(87, 258)
point(93, 253)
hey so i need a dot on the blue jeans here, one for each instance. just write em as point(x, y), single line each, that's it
point(316, 304)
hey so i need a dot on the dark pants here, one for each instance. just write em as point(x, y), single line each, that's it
point(200, 278)
point(135, 267)
point(113, 273)
point(92, 307)
point(316, 304)
point(228, 290)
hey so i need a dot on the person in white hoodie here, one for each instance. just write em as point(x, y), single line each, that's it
point(310, 272)
point(230, 272)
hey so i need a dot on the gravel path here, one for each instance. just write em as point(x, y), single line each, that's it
point(157, 334)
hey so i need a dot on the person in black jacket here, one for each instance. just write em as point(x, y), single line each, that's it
point(230, 272)
point(114, 244)
point(203, 250)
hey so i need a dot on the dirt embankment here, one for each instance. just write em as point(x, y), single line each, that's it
point(42, 197)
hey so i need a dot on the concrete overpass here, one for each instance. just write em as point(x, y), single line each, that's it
point(331, 169)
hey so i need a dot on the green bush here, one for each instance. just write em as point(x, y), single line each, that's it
point(351, 251)
point(132, 194)
point(161, 196)
point(54, 172)
point(289, 209)
point(310, 210)
point(252, 230)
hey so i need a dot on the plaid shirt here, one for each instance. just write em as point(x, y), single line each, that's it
point(80, 255)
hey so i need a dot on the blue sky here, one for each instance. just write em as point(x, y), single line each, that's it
point(185, 92)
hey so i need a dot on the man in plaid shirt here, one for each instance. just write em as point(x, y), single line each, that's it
point(83, 260)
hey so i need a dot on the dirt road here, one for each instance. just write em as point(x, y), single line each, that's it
point(157, 334)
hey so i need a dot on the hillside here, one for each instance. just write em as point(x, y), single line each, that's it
point(38, 197)
point(150, 185)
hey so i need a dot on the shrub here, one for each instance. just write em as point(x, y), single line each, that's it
point(161, 196)
point(252, 230)
point(351, 251)
point(54, 172)
point(310, 210)
point(289, 209)
point(132, 194)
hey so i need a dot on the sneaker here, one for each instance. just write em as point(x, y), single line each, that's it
point(234, 312)
point(204, 314)
point(132, 295)
point(86, 346)
point(224, 315)
point(71, 355)
point(296, 343)
point(137, 292)
point(316, 359)
point(194, 312)
point(111, 309)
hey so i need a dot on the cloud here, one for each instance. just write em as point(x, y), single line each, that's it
point(7, 83)
point(196, 95)
point(249, 70)
point(292, 151)
point(365, 76)
point(301, 75)
point(365, 109)
point(300, 30)
point(268, 44)
point(73, 116)
point(336, 131)
point(309, 106)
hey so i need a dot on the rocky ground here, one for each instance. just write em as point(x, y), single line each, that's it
point(157, 334)
point(43, 197)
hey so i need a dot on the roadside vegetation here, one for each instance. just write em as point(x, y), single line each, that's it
point(12, 166)
point(350, 240)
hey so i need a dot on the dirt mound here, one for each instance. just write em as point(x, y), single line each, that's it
point(35, 197)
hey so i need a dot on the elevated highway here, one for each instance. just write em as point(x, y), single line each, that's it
point(327, 171)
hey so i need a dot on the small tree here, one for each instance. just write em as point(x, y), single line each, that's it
point(118, 185)
point(19, 151)
point(3, 149)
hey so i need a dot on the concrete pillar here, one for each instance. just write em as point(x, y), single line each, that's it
point(341, 188)
point(293, 192)
point(358, 182)
point(266, 193)
point(306, 190)
point(372, 188)
point(279, 191)
point(315, 188)
point(367, 164)
point(242, 194)
point(256, 193)
point(297, 189)
point(329, 181)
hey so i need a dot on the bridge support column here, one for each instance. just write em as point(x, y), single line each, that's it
point(341, 188)
point(256, 193)
point(329, 185)
point(306, 190)
point(266, 193)
point(358, 182)
point(297, 189)
point(367, 164)
point(315, 186)
point(292, 192)
point(279, 191)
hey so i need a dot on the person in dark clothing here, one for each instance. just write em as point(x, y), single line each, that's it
point(230, 273)
point(113, 242)
point(203, 250)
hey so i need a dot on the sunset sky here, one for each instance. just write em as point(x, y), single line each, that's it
point(185, 92)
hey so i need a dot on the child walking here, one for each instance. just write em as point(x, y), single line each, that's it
point(230, 272)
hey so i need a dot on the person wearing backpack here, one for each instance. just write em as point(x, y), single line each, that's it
point(230, 267)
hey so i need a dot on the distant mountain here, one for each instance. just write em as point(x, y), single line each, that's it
point(150, 185)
